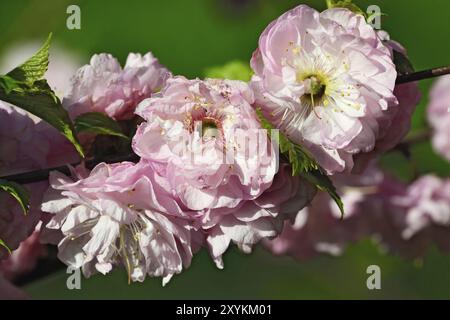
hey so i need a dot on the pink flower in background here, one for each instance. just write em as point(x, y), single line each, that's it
point(320, 229)
point(427, 202)
point(438, 112)
point(402, 220)
point(323, 78)
point(103, 86)
point(120, 215)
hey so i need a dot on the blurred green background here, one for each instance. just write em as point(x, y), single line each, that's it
point(189, 36)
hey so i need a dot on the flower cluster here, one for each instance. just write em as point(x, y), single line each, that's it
point(209, 174)
point(207, 177)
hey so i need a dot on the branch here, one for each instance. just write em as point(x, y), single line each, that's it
point(422, 75)
point(42, 175)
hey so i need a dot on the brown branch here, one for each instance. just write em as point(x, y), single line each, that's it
point(422, 75)
point(42, 175)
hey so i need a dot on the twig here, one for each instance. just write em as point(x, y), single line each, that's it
point(422, 75)
point(41, 175)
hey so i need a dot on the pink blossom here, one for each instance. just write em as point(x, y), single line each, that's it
point(427, 204)
point(228, 156)
point(103, 86)
point(394, 123)
point(438, 112)
point(260, 219)
point(228, 182)
point(120, 215)
point(323, 79)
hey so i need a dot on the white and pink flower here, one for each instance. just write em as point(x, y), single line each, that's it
point(120, 215)
point(323, 79)
point(227, 172)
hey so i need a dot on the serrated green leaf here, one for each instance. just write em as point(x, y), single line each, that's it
point(98, 123)
point(303, 164)
point(41, 101)
point(17, 192)
point(34, 68)
point(3, 244)
point(324, 183)
point(234, 70)
point(24, 88)
point(8, 84)
point(299, 158)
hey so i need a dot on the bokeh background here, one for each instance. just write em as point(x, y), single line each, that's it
point(189, 36)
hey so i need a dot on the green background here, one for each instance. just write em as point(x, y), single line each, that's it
point(189, 36)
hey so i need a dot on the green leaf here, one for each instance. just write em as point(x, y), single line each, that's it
point(324, 183)
point(98, 123)
point(234, 70)
point(41, 101)
point(24, 88)
point(18, 192)
point(348, 4)
point(303, 163)
point(3, 244)
point(34, 68)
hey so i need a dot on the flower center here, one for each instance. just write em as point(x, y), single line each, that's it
point(315, 88)
point(210, 129)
